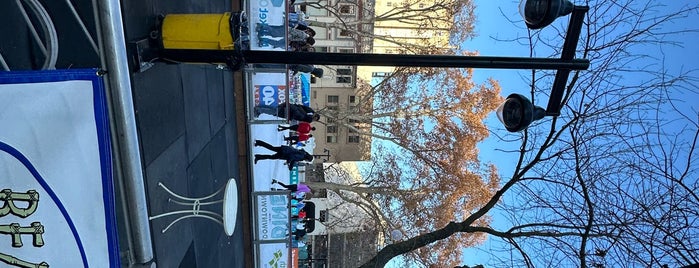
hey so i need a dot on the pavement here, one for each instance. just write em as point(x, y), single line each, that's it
point(190, 123)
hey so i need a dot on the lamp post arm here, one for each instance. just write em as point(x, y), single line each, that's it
point(369, 59)
point(447, 61)
point(577, 18)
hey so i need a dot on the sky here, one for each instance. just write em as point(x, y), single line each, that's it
point(494, 28)
point(492, 24)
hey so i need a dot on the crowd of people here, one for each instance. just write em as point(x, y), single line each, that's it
point(297, 36)
point(300, 192)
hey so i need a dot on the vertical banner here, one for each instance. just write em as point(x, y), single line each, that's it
point(267, 24)
point(272, 216)
point(56, 192)
point(274, 255)
point(269, 88)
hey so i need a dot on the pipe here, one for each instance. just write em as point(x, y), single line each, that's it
point(122, 110)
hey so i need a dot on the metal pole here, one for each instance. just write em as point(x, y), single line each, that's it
point(121, 106)
point(369, 59)
point(569, 47)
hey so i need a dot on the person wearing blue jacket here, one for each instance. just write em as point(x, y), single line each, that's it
point(290, 154)
point(296, 112)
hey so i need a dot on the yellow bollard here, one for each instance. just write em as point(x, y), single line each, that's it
point(197, 31)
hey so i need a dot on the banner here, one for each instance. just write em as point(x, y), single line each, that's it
point(56, 195)
point(267, 24)
point(274, 255)
point(269, 89)
point(272, 216)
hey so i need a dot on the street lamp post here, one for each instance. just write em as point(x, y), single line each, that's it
point(537, 14)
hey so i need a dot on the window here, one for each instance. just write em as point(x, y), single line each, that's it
point(333, 99)
point(331, 139)
point(316, 12)
point(331, 129)
point(352, 100)
point(389, 4)
point(352, 139)
point(347, 9)
point(344, 71)
point(343, 80)
point(345, 33)
point(321, 49)
point(344, 76)
point(345, 50)
point(321, 34)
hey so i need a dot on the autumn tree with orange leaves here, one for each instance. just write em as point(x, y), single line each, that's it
point(425, 172)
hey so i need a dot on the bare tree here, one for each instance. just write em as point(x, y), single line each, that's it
point(357, 19)
point(612, 181)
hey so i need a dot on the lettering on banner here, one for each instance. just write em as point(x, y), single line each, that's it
point(280, 216)
point(268, 95)
point(35, 229)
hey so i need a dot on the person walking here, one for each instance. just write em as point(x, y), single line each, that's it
point(297, 112)
point(300, 187)
point(307, 68)
point(298, 138)
point(290, 154)
point(301, 127)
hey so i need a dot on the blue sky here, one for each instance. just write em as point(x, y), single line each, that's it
point(493, 24)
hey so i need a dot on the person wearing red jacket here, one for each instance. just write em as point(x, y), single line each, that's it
point(301, 127)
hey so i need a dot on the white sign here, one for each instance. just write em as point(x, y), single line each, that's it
point(272, 217)
point(265, 13)
point(274, 256)
point(56, 203)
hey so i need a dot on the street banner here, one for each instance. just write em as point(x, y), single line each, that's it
point(274, 255)
point(267, 24)
point(56, 192)
point(305, 88)
point(300, 88)
point(272, 216)
point(269, 89)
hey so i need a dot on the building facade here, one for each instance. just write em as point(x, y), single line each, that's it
point(336, 95)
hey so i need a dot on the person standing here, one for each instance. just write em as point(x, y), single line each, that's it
point(290, 154)
point(301, 127)
point(297, 112)
point(298, 138)
point(296, 188)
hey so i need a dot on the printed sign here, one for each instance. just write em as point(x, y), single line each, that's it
point(270, 95)
point(272, 217)
point(264, 16)
point(56, 196)
point(274, 255)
